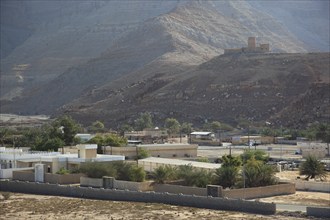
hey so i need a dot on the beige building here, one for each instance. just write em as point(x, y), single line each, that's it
point(238, 140)
point(151, 163)
point(319, 150)
point(251, 48)
point(156, 150)
point(53, 161)
point(147, 136)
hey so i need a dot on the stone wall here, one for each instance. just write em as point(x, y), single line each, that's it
point(91, 182)
point(165, 151)
point(312, 186)
point(180, 189)
point(48, 178)
point(24, 175)
point(247, 193)
point(133, 186)
point(320, 212)
point(135, 196)
point(63, 179)
point(116, 184)
point(259, 192)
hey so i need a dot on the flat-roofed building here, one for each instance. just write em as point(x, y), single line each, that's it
point(151, 163)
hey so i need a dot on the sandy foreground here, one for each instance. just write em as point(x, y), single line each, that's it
point(28, 206)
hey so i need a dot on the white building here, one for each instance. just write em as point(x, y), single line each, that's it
point(151, 163)
point(16, 159)
point(317, 149)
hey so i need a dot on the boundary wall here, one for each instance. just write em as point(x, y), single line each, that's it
point(312, 186)
point(48, 177)
point(247, 193)
point(135, 196)
point(320, 212)
point(259, 192)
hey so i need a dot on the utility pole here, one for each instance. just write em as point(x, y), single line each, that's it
point(249, 136)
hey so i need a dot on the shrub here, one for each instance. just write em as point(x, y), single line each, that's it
point(6, 195)
point(312, 168)
point(98, 170)
point(63, 171)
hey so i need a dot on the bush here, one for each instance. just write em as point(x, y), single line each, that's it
point(98, 170)
point(63, 171)
point(164, 173)
point(6, 195)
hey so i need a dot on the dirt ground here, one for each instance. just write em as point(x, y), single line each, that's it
point(24, 206)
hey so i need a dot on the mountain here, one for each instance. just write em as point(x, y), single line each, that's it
point(229, 88)
point(114, 59)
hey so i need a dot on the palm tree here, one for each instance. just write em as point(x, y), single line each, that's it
point(312, 168)
point(226, 176)
point(164, 173)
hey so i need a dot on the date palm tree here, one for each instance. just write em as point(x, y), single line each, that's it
point(312, 168)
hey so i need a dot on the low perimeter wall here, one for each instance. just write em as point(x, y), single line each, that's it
point(180, 189)
point(312, 186)
point(320, 212)
point(135, 196)
point(259, 192)
point(49, 177)
point(247, 193)
point(117, 184)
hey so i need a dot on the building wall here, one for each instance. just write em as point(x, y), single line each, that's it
point(259, 192)
point(312, 186)
point(90, 153)
point(48, 178)
point(180, 189)
point(156, 151)
point(257, 139)
point(319, 150)
point(24, 175)
point(135, 196)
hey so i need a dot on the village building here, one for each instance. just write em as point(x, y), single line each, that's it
point(147, 136)
point(252, 140)
point(316, 149)
point(16, 159)
point(251, 48)
point(151, 163)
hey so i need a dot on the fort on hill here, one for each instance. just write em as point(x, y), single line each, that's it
point(251, 48)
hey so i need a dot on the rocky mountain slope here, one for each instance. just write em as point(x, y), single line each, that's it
point(228, 88)
point(97, 59)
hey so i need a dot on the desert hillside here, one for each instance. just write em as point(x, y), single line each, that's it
point(96, 60)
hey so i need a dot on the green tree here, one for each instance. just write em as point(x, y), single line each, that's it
point(256, 173)
point(312, 168)
point(98, 170)
point(4, 133)
point(172, 125)
point(114, 140)
point(52, 144)
point(144, 121)
point(231, 161)
point(215, 126)
point(137, 174)
point(194, 177)
point(65, 128)
point(227, 175)
point(164, 173)
point(97, 127)
point(257, 154)
point(203, 159)
point(186, 128)
point(142, 153)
